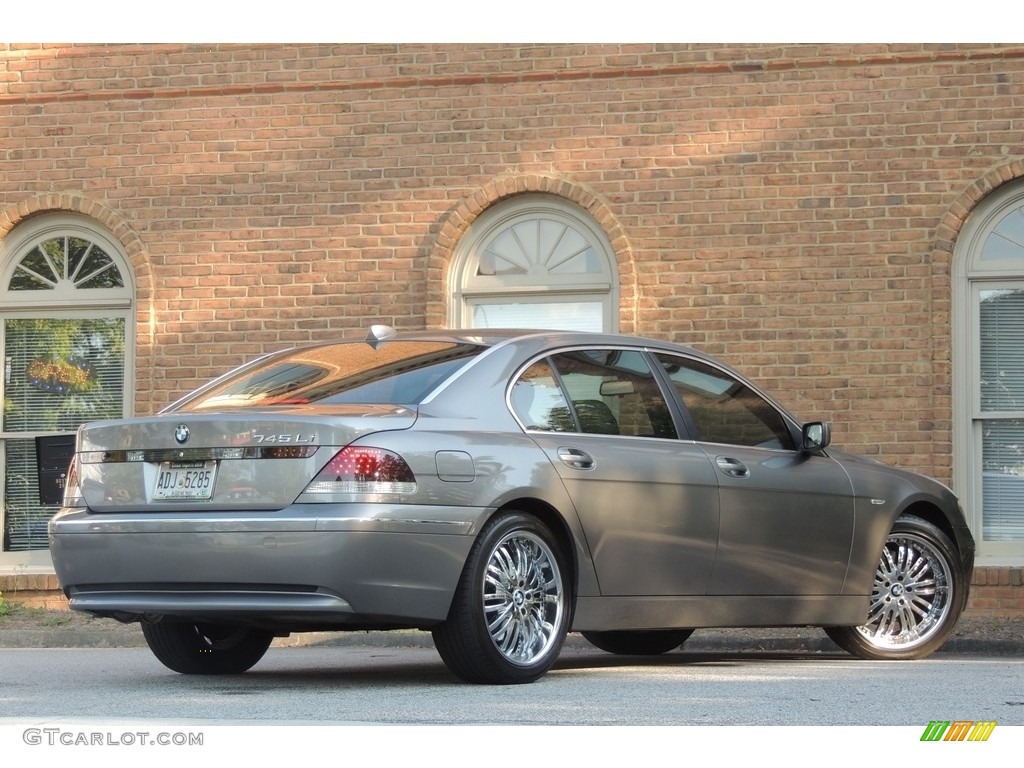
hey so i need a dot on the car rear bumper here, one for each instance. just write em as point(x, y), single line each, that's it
point(305, 567)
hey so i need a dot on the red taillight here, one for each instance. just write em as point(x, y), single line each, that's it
point(362, 470)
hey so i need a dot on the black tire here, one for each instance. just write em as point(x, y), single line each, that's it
point(206, 649)
point(638, 643)
point(917, 597)
point(511, 609)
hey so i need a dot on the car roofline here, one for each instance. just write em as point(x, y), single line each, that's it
point(491, 338)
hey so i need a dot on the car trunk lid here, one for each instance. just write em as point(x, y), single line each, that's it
point(226, 460)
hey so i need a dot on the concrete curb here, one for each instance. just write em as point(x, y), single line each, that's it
point(789, 641)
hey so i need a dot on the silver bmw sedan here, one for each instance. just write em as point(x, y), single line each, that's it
point(499, 489)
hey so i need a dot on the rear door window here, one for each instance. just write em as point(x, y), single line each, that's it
point(597, 391)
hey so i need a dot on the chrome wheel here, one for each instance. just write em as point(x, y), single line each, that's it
point(522, 598)
point(511, 610)
point(918, 593)
point(911, 594)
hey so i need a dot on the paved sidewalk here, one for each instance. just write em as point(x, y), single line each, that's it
point(976, 635)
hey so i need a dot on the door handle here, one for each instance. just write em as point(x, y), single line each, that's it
point(732, 467)
point(576, 459)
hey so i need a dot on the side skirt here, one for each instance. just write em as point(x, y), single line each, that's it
point(607, 613)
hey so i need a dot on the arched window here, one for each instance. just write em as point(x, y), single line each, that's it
point(535, 261)
point(988, 397)
point(66, 339)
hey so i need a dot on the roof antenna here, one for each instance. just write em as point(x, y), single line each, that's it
point(379, 334)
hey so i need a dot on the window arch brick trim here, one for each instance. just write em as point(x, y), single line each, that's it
point(952, 223)
point(73, 202)
point(454, 225)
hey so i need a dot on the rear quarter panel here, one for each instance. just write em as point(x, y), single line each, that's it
point(509, 471)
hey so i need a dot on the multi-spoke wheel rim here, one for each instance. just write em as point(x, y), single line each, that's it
point(912, 594)
point(523, 601)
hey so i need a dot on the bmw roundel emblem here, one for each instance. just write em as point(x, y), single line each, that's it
point(181, 433)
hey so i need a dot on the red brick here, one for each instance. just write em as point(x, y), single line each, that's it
point(761, 198)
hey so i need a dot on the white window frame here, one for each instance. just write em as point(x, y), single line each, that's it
point(539, 286)
point(63, 301)
point(971, 276)
point(26, 236)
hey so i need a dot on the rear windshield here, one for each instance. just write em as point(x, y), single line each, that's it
point(396, 373)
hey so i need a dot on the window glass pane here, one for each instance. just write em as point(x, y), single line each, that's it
point(538, 246)
point(70, 261)
point(725, 410)
point(561, 249)
point(98, 271)
point(1006, 241)
point(54, 250)
point(1002, 350)
point(78, 249)
point(61, 366)
point(61, 373)
point(504, 256)
point(398, 372)
point(1003, 480)
point(553, 315)
point(34, 273)
point(538, 402)
point(58, 374)
point(613, 392)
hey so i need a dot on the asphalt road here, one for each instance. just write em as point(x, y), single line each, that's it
point(410, 686)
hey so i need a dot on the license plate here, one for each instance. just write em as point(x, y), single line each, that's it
point(185, 480)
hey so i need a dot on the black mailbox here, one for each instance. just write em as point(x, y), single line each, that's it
point(53, 455)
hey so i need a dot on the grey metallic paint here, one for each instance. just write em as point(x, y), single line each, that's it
point(659, 535)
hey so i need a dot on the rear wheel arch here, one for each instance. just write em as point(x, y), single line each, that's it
point(512, 608)
point(559, 528)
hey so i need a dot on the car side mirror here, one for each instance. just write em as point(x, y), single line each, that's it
point(816, 435)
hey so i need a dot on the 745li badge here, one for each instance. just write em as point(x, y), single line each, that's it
point(285, 438)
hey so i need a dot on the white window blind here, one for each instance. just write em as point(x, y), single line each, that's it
point(58, 373)
point(554, 315)
point(1001, 389)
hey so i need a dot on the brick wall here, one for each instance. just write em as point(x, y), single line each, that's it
point(999, 591)
point(790, 208)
